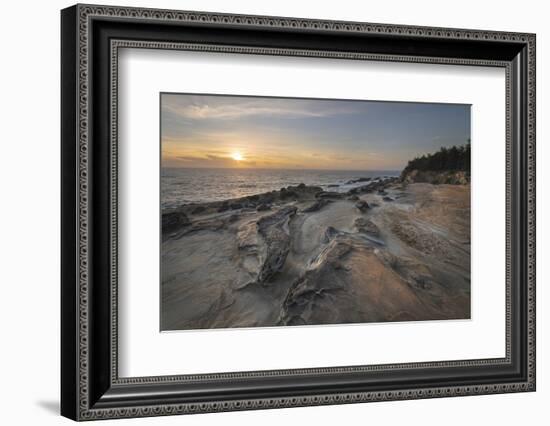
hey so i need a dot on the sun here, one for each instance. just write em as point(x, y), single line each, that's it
point(237, 156)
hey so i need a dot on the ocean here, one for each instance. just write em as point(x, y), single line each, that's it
point(183, 186)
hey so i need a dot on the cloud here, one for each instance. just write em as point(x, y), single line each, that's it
point(231, 107)
point(202, 157)
point(205, 160)
point(187, 158)
point(215, 157)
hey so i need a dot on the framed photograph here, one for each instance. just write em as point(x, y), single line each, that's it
point(263, 212)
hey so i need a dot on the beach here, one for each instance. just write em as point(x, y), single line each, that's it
point(382, 249)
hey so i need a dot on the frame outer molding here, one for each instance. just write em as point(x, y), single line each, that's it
point(75, 32)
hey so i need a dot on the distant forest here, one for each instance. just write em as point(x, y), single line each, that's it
point(454, 158)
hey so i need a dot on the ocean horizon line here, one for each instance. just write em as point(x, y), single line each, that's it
point(283, 169)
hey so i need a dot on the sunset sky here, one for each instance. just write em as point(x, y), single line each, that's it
point(259, 132)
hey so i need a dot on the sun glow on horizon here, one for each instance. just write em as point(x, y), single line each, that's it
point(237, 156)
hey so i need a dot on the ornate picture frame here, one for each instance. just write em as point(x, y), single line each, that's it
point(91, 37)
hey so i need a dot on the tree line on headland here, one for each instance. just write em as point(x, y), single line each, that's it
point(446, 159)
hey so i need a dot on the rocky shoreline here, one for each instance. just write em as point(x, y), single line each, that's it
point(386, 250)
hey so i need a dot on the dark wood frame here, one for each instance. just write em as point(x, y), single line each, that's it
point(91, 37)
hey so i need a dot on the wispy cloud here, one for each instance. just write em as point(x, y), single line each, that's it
point(230, 108)
point(186, 157)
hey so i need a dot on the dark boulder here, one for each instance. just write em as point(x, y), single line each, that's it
point(198, 210)
point(330, 195)
point(317, 205)
point(361, 179)
point(362, 205)
point(330, 233)
point(288, 194)
point(173, 221)
point(263, 207)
